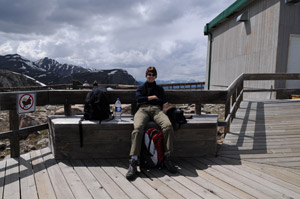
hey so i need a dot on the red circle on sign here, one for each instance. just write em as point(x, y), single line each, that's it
point(22, 105)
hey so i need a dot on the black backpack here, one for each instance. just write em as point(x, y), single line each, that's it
point(176, 117)
point(96, 107)
point(180, 118)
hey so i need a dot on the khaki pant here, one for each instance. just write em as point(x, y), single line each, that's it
point(141, 118)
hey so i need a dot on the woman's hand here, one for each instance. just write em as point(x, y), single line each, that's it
point(153, 97)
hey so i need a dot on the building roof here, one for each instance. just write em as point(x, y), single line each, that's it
point(233, 8)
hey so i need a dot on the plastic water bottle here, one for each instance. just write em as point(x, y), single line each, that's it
point(118, 110)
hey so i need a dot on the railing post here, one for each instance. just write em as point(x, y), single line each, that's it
point(234, 96)
point(67, 109)
point(239, 90)
point(198, 109)
point(227, 111)
point(14, 139)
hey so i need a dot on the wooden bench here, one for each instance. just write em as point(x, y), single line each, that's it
point(112, 139)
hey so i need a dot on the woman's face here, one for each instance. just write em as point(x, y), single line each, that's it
point(150, 77)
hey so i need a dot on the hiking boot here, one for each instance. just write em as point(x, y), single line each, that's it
point(131, 170)
point(169, 164)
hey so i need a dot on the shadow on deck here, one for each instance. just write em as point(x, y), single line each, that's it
point(265, 132)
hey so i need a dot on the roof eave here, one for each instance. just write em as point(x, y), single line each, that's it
point(236, 6)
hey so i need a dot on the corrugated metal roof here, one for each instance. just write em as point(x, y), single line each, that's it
point(236, 6)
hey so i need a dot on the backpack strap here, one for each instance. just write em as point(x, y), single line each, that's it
point(81, 131)
point(153, 132)
point(149, 144)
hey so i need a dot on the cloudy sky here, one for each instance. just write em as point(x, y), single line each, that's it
point(107, 34)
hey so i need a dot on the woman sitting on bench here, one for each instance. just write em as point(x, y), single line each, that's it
point(150, 98)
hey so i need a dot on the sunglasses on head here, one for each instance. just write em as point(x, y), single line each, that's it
point(151, 75)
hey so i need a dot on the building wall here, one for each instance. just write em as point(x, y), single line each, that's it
point(246, 47)
point(289, 24)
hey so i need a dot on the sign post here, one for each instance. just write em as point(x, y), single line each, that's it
point(26, 102)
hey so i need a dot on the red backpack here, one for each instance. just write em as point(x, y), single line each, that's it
point(152, 154)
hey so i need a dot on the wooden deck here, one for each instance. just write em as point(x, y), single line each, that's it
point(38, 175)
point(242, 170)
point(266, 132)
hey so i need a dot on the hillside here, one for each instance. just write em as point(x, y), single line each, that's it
point(12, 79)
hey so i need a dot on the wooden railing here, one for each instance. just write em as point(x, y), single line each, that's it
point(231, 98)
point(236, 90)
point(74, 85)
point(79, 85)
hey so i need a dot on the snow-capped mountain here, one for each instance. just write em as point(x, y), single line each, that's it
point(49, 71)
point(19, 64)
point(53, 66)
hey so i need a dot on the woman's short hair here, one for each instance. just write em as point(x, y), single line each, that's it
point(151, 69)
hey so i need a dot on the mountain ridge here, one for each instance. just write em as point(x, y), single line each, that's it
point(50, 71)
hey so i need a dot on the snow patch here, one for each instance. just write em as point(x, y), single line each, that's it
point(112, 72)
point(40, 83)
point(31, 65)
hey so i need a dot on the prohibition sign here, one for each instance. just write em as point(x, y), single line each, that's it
point(26, 101)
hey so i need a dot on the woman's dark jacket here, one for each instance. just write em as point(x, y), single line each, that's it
point(149, 89)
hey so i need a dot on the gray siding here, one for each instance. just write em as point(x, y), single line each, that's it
point(249, 47)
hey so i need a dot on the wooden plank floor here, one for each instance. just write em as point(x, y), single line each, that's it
point(258, 159)
point(38, 175)
point(266, 132)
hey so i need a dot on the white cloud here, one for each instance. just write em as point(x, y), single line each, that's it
point(106, 34)
point(6, 48)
